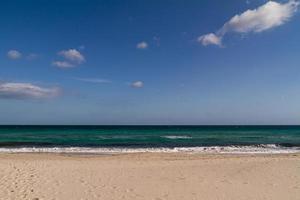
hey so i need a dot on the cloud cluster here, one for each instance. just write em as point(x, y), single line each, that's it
point(11, 90)
point(72, 58)
point(137, 84)
point(142, 45)
point(14, 54)
point(267, 16)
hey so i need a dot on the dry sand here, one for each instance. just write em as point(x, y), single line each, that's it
point(149, 176)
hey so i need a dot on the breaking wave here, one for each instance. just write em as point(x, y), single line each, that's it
point(255, 149)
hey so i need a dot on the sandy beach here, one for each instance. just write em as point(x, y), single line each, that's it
point(149, 176)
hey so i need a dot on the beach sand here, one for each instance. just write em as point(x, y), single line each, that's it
point(149, 176)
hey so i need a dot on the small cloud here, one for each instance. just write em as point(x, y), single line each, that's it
point(62, 64)
point(209, 39)
point(142, 45)
point(137, 84)
point(93, 80)
point(14, 54)
point(72, 55)
point(72, 58)
point(270, 15)
point(12, 90)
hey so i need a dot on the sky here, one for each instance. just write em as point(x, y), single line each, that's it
point(175, 62)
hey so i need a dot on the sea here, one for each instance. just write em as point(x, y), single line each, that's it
point(131, 139)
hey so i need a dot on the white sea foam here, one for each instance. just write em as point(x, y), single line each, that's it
point(261, 149)
point(176, 137)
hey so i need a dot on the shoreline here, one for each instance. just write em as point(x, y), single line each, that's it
point(147, 155)
point(250, 149)
point(163, 154)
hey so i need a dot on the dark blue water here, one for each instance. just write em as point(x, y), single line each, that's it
point(147, 136)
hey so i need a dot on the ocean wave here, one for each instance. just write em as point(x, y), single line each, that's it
point(257, 149)
point(177, 137)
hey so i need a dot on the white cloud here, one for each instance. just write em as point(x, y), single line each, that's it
point(72, 55)
point(72, 58)
point(12, 90)
point(209, 39)
point(142, 45)
point(14, 54)
point(137, 84)
point(267, 16)
point(62, 64)
point(93, 80)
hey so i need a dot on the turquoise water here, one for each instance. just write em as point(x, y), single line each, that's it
point(148, 136)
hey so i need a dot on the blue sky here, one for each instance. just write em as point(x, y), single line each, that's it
point(149, 62)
